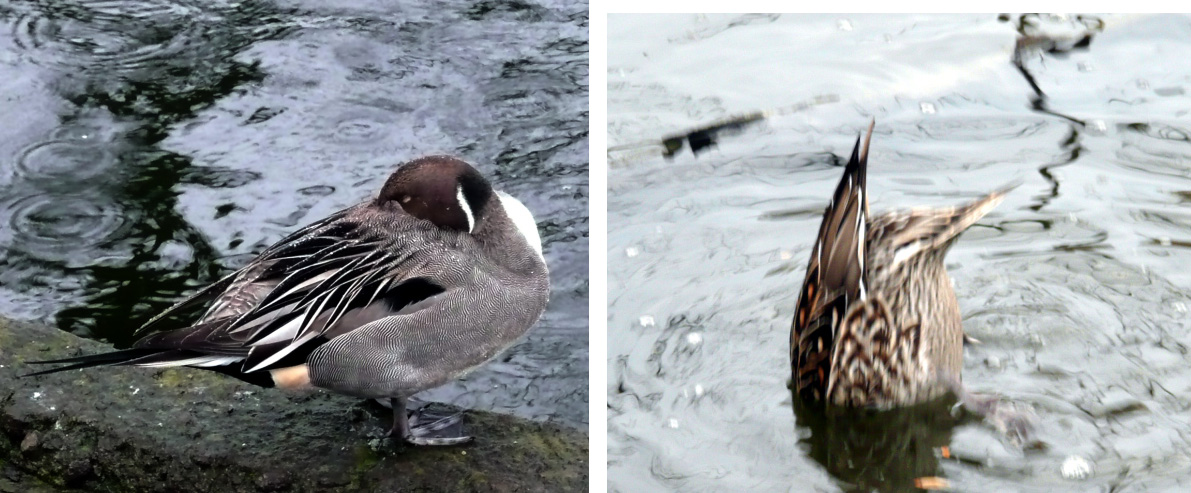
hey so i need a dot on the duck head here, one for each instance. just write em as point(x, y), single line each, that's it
point(441, 189)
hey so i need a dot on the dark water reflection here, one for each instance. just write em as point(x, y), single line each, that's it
point(1076, 286)
point(150, 147)
point(884, 451)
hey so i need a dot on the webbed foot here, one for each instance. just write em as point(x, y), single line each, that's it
point(426, 429)
point(1013, 421)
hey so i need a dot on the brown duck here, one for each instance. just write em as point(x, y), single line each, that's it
point(877, 323)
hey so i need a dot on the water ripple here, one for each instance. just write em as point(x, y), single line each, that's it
point(60, 227)
point(59, 160)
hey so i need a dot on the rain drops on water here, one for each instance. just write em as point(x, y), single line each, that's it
point(631, 251)
point(927, 108)
point(694, 338)
point(647, 321)
point(673, 423)
point(1076, 467)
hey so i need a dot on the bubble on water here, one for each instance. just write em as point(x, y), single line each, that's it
point(699, 390)
point(631, 251)
point(844, 25)
point(694, 338)
point(993, 362)
point(80, 133)
point(317, 190)
point(673, 423)
point(785, 255)
point(647, 321)
point(1076, 468)
point(1169, 91)
point(1036, 340)
point(358, 130)
point(927, 108)
point(173, 255)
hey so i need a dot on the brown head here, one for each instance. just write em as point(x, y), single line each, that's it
point(441, 189)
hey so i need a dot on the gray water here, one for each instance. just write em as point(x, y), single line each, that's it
point(148, 148)
point(1077, 285)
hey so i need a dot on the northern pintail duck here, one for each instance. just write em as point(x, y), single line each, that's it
point(877, 323)
point(381, 300)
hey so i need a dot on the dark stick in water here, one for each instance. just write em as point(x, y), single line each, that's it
point(704, 137)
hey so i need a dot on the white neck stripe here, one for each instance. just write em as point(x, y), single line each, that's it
point(471, 219)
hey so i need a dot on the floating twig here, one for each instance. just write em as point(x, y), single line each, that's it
point(704, 137)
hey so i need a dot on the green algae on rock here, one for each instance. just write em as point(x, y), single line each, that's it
point(137, 429)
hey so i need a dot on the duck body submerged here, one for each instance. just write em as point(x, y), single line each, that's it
point(877, 323)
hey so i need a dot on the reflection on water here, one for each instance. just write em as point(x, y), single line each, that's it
point(154, 145)
point(885, 451)
point(1075, 287)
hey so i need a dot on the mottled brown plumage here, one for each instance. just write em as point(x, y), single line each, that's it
point(877, 323)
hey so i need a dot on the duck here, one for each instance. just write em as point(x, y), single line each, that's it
point(877, 323)
point(435, 276)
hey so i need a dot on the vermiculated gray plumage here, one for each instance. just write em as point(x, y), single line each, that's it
point(380, 300)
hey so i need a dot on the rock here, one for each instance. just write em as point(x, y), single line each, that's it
point(181, 429)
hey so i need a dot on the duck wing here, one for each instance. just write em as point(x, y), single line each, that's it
point(329, 277)
point(834, 278)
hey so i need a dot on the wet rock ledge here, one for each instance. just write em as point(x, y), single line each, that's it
point(137, 429)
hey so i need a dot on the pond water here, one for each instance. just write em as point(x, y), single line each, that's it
point(1077, 285)
point(151, 147)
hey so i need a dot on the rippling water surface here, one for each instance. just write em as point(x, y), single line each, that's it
point(150, 147)
point(1077, 285)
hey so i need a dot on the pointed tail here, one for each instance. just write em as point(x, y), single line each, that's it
point(105, 359)
point(966, 215)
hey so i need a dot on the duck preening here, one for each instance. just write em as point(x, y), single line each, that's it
point(399, 294)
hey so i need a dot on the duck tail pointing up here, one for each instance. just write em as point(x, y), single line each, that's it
point(967, 215)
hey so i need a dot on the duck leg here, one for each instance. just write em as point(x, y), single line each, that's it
point(1015, 422)
point(426, 429)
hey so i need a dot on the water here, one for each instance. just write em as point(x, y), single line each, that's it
point(1076, 285)
point(151, 147)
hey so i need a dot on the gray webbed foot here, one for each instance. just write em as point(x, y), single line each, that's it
point(426, 429)
point(1011, 420)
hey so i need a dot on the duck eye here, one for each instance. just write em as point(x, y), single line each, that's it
point(405, 199)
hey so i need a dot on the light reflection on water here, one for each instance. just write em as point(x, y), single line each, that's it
point(150, 146)
point(1076, 285)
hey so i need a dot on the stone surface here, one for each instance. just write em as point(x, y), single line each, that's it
point(137, 429)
